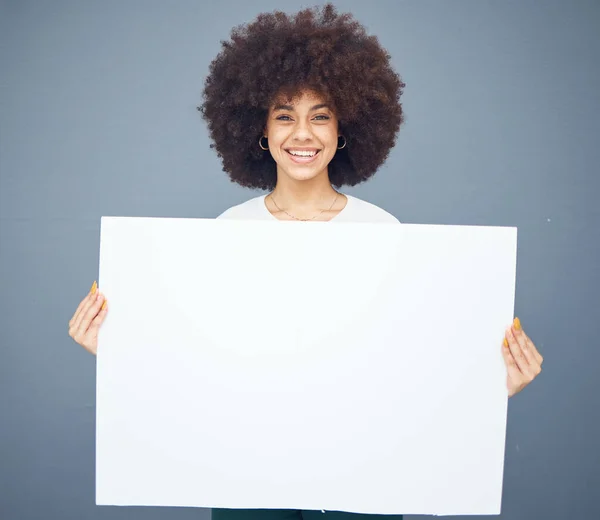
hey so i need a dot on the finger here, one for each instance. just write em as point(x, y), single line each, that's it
point(517, 352)
point(521, 339)
point(97, 321)
point(78, 310)
point(512, 370)
point(87, 304)
point(533, 356)
point(535, 365)
point(95, 326)
point(531, 347)
point(86, 319)
point(90, 295)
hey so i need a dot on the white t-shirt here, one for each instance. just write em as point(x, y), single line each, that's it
point(356, 210)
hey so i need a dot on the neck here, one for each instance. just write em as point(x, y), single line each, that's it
point(307, 194)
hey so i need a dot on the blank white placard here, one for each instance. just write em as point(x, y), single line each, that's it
point(264, 364)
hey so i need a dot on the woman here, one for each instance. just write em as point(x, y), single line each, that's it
point(300, 106)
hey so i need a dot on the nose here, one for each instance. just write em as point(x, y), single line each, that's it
point(302, 131)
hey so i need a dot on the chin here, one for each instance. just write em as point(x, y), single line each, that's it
point(302, 175)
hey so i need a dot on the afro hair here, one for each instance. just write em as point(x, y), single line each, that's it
point(279, 54)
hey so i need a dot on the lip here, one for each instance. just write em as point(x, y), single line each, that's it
point(303, 160)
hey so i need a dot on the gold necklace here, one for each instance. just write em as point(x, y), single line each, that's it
point(306, 219)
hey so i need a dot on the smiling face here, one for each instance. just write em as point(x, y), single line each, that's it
point(302, 135)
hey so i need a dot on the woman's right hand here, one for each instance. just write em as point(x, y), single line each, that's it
point(88, 317)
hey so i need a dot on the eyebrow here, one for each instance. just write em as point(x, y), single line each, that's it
point(291, 108)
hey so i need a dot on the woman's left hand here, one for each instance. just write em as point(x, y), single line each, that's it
point(523, 361)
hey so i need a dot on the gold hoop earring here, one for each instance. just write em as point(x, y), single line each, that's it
point(260, 143)
point(345, 142)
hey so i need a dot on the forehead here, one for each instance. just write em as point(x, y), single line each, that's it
point(301, 99)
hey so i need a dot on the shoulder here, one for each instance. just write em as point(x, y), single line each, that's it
point(358, 210)
point(251, 209)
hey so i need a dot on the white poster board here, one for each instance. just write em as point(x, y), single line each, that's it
point(266, 364)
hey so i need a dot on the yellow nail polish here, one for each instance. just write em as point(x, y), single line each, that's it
point(94, 287)
point(517, 323)
point(103, 305)
point(505, 342)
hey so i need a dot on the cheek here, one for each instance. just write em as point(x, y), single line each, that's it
point(330, 140)
point(329, 136)
point(276, 138)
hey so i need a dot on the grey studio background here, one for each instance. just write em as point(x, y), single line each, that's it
point(98, 118)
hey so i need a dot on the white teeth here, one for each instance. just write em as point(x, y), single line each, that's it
point(302, 153)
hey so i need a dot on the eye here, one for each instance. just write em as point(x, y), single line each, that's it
point(322, 117)
point(283, 118)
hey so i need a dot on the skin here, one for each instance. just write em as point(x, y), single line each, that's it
point(522, 359)
point(88, 317)
point(303, 190)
